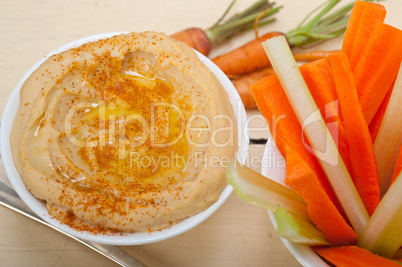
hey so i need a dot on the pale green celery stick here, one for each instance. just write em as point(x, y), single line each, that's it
point(298, 230)
point(314, 127)
point(389, 137)
point(383, 234)
point(261, 191)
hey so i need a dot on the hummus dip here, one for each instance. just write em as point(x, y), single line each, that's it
point(130, 133)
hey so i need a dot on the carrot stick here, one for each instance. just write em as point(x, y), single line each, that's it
point(245, 59)
point(379, 115)
point(320, 208)
point(285, 127)
point(398, 166)
point(242, 85)
point(361, 24)
point(320, 81)
point(377, 67)
point(362, 156)
point(353, 256)
point(316, 130)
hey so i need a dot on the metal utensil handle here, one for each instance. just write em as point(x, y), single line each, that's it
point(113, 253)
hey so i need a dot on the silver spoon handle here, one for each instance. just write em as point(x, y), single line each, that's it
point(10, 199)
point(113, 253)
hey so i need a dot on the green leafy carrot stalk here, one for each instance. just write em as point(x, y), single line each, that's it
point(317, 133)
point(322, 26)
point(203, 40)
point(314, 28)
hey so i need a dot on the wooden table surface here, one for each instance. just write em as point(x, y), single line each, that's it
point(238, 234)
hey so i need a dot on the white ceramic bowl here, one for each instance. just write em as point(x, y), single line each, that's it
point(125, 239)
point(304, 254)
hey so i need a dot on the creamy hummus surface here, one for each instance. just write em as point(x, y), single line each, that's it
point(130, 133)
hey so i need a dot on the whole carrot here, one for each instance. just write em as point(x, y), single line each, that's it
point(203, 40)
point(240, 59)
point(242, 83)
point(195, 38)
point(317, 29)
point(313, 55)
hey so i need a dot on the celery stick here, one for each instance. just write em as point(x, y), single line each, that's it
point(298, 230)
point(262, 191)
point(383, 233)
point(389, 137)
point(314, 127)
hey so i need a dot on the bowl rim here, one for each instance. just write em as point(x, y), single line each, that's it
point(303, 253)
point(139, 238)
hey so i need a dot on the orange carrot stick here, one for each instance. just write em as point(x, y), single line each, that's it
point(286, 129)
point(377, 67)
point(362, 20)
point(353, 256)
point(320, 81)
point(379, 115)
point(362, 156)
point(247, 58)
point(398, 166)
point(320, 208)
